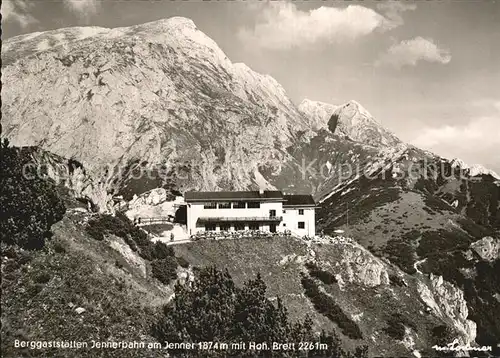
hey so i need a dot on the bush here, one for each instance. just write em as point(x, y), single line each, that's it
point(182, 262)
point(395, 328)
point(212, 308)
point(30, 204)
point(162, 251)
point(322, 275)
point(402, 254)
point(165, 270)
point(325, 305)
point(396, 280)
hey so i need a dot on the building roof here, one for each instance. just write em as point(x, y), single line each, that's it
point(274, 195)
point(298, 200)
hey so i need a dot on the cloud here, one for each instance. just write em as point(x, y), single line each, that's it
point(83, 8)
point(282, 26)
point(410, 52)
point(393, 10)
point(477, 140)
point(17, 11)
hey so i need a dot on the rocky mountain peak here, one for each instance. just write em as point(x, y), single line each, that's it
point(354, 121)
point(350, 120)
point(474, 169)
point(318, 113)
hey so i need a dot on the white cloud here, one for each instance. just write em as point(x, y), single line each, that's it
point(283, 26)
point(83, 8)
point(393, 10)
point(477, 141)
point(410, 52)
point(17, 11)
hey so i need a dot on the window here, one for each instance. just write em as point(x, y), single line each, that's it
point(239, 205)
point(301, 211)
point(239, 226)
point(253, 205)
point(284, 224)
point(225, 205)
point(284, 211)
point(253, 226)
point(225, 227)
point(210, 205)
point(210, 227)
point(302, 225)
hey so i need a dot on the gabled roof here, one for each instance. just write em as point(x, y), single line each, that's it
point(298, 200)
point(274, 195)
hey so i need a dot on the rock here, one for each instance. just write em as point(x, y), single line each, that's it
point(353, 263)
point(487, 248)
point(447, 302)
point(80, 310)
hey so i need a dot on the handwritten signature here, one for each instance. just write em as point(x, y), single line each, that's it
point(455, 346)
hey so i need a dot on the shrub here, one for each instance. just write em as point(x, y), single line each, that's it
point(396, 280)
point(322, 275)
point(165, 270)
point(395, 328)
point(162, 251)
point(30, 203)
point(182, 262)
point(402, 254)
point(325, 305)
point(213, 308)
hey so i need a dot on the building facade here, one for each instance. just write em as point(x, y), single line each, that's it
point(250, 210)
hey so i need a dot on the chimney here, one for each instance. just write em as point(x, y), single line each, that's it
point(261, 191)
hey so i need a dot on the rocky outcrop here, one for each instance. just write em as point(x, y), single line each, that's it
point(487, 248)
point(473, 170)
point(447, 302)
point(355, 122)
point(73, 176)
point(350, 262)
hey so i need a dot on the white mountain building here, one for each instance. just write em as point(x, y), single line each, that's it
point(261, 210)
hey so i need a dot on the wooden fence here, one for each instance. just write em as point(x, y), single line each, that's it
point(141, 221)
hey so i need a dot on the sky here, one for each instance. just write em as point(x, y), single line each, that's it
point(428, 70)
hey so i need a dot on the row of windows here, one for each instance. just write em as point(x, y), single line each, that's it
point(227, 227)
point(301, 211)
point(234, 205)
point(238, 205)
point(240, 226)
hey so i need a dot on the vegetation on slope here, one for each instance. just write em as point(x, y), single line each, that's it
point(325, 304)
point(68, 288)
point(30, 204)
point(163, 261)
point(213, 309)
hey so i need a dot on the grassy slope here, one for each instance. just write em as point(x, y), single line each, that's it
point(408, 222)
point(245, 258)
point(40, 297)
point(370, 307)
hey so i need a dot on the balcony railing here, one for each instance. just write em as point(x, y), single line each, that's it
point(239, 218)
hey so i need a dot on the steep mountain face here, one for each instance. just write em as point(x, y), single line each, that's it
point(349, 120)
point(158, 93)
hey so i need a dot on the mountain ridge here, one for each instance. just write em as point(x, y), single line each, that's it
point(162, 99)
